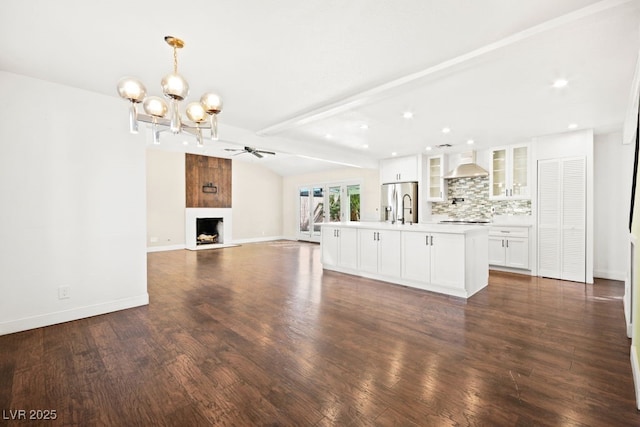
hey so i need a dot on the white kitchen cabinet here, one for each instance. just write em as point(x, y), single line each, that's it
point(379, 251)
point(509, 247)
point(447, 267)
point(450, 259)
point(339, 246)
point(510, 176)
point(399, 169)
point(434, 258)
point(416, 256)
point(436, 167)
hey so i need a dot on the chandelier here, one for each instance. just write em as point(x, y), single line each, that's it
point(163, 116)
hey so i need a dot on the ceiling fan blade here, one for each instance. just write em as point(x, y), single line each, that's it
point(233, 149)
point(257, 154)
point(266, 152)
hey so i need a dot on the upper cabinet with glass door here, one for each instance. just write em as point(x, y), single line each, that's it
point(435, 169)
point(510, 176)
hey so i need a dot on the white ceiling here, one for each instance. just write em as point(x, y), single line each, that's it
point(291, 72)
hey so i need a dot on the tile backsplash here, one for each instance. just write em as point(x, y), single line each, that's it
point(476, 204)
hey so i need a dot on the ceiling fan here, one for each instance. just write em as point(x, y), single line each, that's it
point(254, 151)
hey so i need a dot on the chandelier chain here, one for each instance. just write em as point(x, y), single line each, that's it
point(175, 59)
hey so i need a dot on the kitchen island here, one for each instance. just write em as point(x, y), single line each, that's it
point(449, 259)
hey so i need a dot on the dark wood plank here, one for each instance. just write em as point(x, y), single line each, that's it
point(261, 335)
point(201, 170)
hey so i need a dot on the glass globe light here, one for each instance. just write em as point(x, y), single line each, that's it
point(212, 103)
point(155, 106)
point(175, 86)
point(131, 89)
point(195, 112)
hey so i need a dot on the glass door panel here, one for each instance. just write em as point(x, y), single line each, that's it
point(318, 210)
point(435, 177)
point(499, 173)
point(520, 172)
point(304, 213)
point(335, 209)
point(353, 196)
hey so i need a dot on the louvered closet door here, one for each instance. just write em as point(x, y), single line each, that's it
point(562, 218)
point(549, 218)
point(573, 220)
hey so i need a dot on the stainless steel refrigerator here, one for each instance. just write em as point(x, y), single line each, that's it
point(399, 201)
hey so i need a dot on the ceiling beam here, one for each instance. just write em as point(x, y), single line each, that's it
point(378, 92)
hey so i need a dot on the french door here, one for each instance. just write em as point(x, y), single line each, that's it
point(338, 202)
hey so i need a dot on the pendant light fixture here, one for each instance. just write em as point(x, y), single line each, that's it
point(201, 115)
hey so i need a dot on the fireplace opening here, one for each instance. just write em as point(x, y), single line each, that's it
point(209, 231)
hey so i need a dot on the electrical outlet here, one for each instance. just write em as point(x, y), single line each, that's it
point(64, 292)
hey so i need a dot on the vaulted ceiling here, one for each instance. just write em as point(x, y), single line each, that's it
point(326, 83)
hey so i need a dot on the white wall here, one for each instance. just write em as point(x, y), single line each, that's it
point(369, 194)
point(166, 199)
point(256, 202)
point(613, 171)
point(72, 197)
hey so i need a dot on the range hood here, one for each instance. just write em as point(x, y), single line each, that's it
point(467, 167)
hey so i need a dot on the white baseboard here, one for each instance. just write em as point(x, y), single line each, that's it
point(610, 275)
point(165, 248)
point(72, 314)
point(230, 244)
point(511, 270)
point(257, 240)
point(635, 368)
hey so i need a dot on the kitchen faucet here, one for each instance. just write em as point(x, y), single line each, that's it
point(403, 208)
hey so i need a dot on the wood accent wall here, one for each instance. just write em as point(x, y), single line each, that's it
point(202, 170)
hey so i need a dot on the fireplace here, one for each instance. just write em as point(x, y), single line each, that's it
point(212, 225)
point(209, 231)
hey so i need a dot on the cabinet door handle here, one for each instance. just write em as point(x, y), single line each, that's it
point(503, 243)
point(506, 193)
point(338, 233)
point(426, 240)
point(431, 240)
point(507, 243)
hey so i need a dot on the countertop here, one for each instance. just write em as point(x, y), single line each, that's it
point(422, 227)
point(496, 220)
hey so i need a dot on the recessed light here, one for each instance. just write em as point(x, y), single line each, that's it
point(394, 154)
point(185, 142)
point(365, 146)
point(446, 130)
point(470, 141)
point(573, 126)
point(428, 148)
point(328, 136)
point(364, 126)
point(560, 83)
point(407, 115)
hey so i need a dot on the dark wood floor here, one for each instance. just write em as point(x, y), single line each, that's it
point(260, 335)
